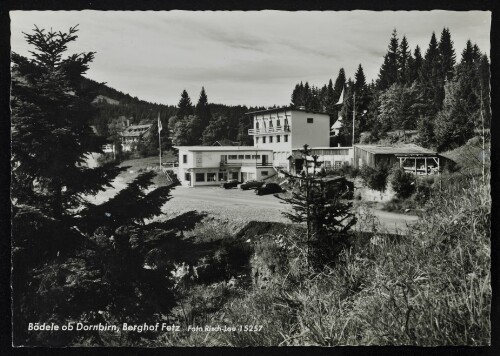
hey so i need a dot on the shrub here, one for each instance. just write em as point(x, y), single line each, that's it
point(403, 183)
point(375, 178)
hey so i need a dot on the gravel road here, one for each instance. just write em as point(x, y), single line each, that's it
point(237, 206)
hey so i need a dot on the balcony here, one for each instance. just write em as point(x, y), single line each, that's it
point(269, 130)
point(224, 165)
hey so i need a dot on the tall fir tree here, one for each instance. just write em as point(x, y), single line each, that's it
point(389, 71)
point(296, 99)
point(404, 56)
point(417, 64)
point(432, 78)
point(467, 54)
point(203, 109)
point(447, 54)
point(360, 80)
point(185, 107)
point(51, 133)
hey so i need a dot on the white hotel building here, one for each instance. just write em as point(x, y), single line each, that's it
point(278, 136)
point(286, 131)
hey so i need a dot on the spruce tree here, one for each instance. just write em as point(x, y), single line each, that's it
point(447, 54)
point(432, 78)
point(296, 101)
point(404, 56)
point(203, 109)
point(51, 133)
point(417, 64)
point(185, 108)
point(389, 71)
point(360, 80)
point(467, 54)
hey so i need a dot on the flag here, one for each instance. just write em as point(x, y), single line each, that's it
point(341, 99)
point(159, 123)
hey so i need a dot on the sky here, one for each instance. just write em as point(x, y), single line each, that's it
point(252, 58)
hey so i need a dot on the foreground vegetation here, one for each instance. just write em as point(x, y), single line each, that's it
point(430, 287)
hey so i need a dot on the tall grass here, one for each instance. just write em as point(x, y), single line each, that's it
point(430, 287)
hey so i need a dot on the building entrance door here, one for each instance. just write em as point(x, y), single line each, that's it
point(243, 176)
point(264, 160)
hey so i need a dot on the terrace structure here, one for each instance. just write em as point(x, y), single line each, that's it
point(412, 158)
point(210, 165)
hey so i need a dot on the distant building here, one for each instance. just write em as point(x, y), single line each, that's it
point(413, 158)
point(209, 165)
point(286, 129)
point(132, 135)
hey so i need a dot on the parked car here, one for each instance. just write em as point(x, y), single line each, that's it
point(232, 183)
point(268, 188)
point(251, 184)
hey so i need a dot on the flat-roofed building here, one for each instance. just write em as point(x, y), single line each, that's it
point(210, 165)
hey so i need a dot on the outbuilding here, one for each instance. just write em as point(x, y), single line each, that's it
point(412, 158)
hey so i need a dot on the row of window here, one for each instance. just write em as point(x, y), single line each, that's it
point(271, 139)
point(243, 156)
point(185, 157)
point(278, 123)
point(213, 177)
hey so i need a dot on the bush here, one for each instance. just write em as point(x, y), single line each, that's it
point(375, 178)
point(403, 183)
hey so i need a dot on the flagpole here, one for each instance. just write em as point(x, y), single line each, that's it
point(159, 137)
point(353, 115)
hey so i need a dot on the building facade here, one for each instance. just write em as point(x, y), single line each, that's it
point(210, 165)
point(283, 130)
point(132, 135)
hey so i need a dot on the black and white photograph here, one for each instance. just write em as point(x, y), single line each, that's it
point(250, 178)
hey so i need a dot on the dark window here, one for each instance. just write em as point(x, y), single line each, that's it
point(270, 139)
point(233, 157)
point(184, 158)
point(264, 173)
point(278, 122)
point(264, 139)
point(234, 175)
point(248, 157)
point(241, 157)
point(200, 177)
point(257, 125)
point(222, 176)
point(187, 176)
point(256, 140)
point(310, 120)
point(210, 177)
point(286, 138)
point(278, 138)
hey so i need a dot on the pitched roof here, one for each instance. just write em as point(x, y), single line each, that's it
point(135, 130)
